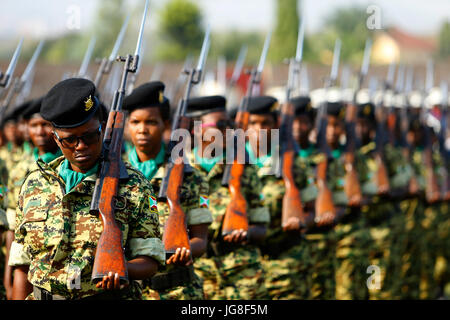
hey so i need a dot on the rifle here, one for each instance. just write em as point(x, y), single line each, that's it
point(172, 93)
point(8, 75)
point(432, 192)
point(109, 256)
point(82, 73)
point(106, 63)
point(24, 82)
point(175, 230)
point(445, 189)
point(352, 186)
point(235, 217)
point(324, 205)
point(292, 206)
point(381, 177)
point(413, 186)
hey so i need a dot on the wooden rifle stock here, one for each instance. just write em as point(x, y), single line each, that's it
point(352, 186)
point(109, 256)
point(236, 214)
point(324, 202)
point(292, 206)
point(175, 228)
point(381, 177)
point(432, 191)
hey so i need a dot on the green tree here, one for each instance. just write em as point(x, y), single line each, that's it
point(444, 40)
point(180, 29)
point(348, 24)
point(109, 19)
point(284, 40)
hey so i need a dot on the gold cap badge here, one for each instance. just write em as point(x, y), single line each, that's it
point(161, 97)
point(88, 104)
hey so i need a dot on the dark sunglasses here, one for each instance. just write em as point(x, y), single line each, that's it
point(72, 142)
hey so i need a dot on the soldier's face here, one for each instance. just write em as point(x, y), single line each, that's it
point(213, 129)
point(260, 125)
point(334, 131)
point(301, 128)
point(146, 129)
point(86, 153)
point(364, 130)
point(40, 132)
point(12, 133)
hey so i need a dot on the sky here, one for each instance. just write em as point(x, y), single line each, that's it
point(35, 18)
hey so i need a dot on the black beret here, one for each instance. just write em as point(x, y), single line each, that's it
point(366, 111)
point(150, 94)
point(199, 106)
point(262, 105)
point(336, 109)
point(33, 108)
point(16, 112)
point(70, 103)
point(302, 105)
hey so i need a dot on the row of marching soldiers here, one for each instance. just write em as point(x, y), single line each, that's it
point(393, 245)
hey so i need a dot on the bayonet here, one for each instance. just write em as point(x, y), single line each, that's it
point(8, 75)
point(238, 66)
point(82, 73)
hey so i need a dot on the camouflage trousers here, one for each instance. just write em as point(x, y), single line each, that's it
point(286, 274)
point(379, 225)
point(352, 260)
point(236, 275)
point(192, 291)
point(320, 277)
point(408, 251)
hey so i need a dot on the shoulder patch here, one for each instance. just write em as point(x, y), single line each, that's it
point(204, 201)
point(153, 204)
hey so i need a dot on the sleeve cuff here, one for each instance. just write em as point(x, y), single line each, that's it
point(259, 215)
point(199, 216)
point(17, 255)
point(151, 247)
point(11, 216)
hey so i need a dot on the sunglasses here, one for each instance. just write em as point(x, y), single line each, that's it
point(73, 141)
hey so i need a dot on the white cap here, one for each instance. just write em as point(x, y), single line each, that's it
point(278, 93)
point(415, 99)
point(433, 98)
point(363, 96)
point(334, 94)
point(317, 97)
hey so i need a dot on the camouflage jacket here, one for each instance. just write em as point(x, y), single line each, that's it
point(219, 196)
point(4, 194)
point(56, 235)
point(273, 192)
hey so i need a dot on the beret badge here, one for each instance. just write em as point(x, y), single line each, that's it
point(161, 97)
point(88, 104)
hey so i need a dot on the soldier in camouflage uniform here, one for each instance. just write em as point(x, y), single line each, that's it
point(56, 235)
point(351, 259)
point(232, 268)
point(379, 212)
point(40, 132)
point(283, 249)
point(149, 113)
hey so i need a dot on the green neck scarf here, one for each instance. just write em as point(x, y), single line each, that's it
point(27, 147)
point(73, 178)
point(336, 153)
point(258, 161)
point(149, 167)
point(46, 157)
point(206, 163)
point(305, 153)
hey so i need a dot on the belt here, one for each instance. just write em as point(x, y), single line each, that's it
point(180, 276)
point(42, 294)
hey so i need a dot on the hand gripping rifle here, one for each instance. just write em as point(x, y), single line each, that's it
point(292, 206)
point(109, 256)
point(324, 201)
point(236, 213)
point(106, 63)
point(175, 230)
point(352, 186)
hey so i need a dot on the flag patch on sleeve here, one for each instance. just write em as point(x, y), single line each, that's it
point(153, 204)
point(204, 201)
